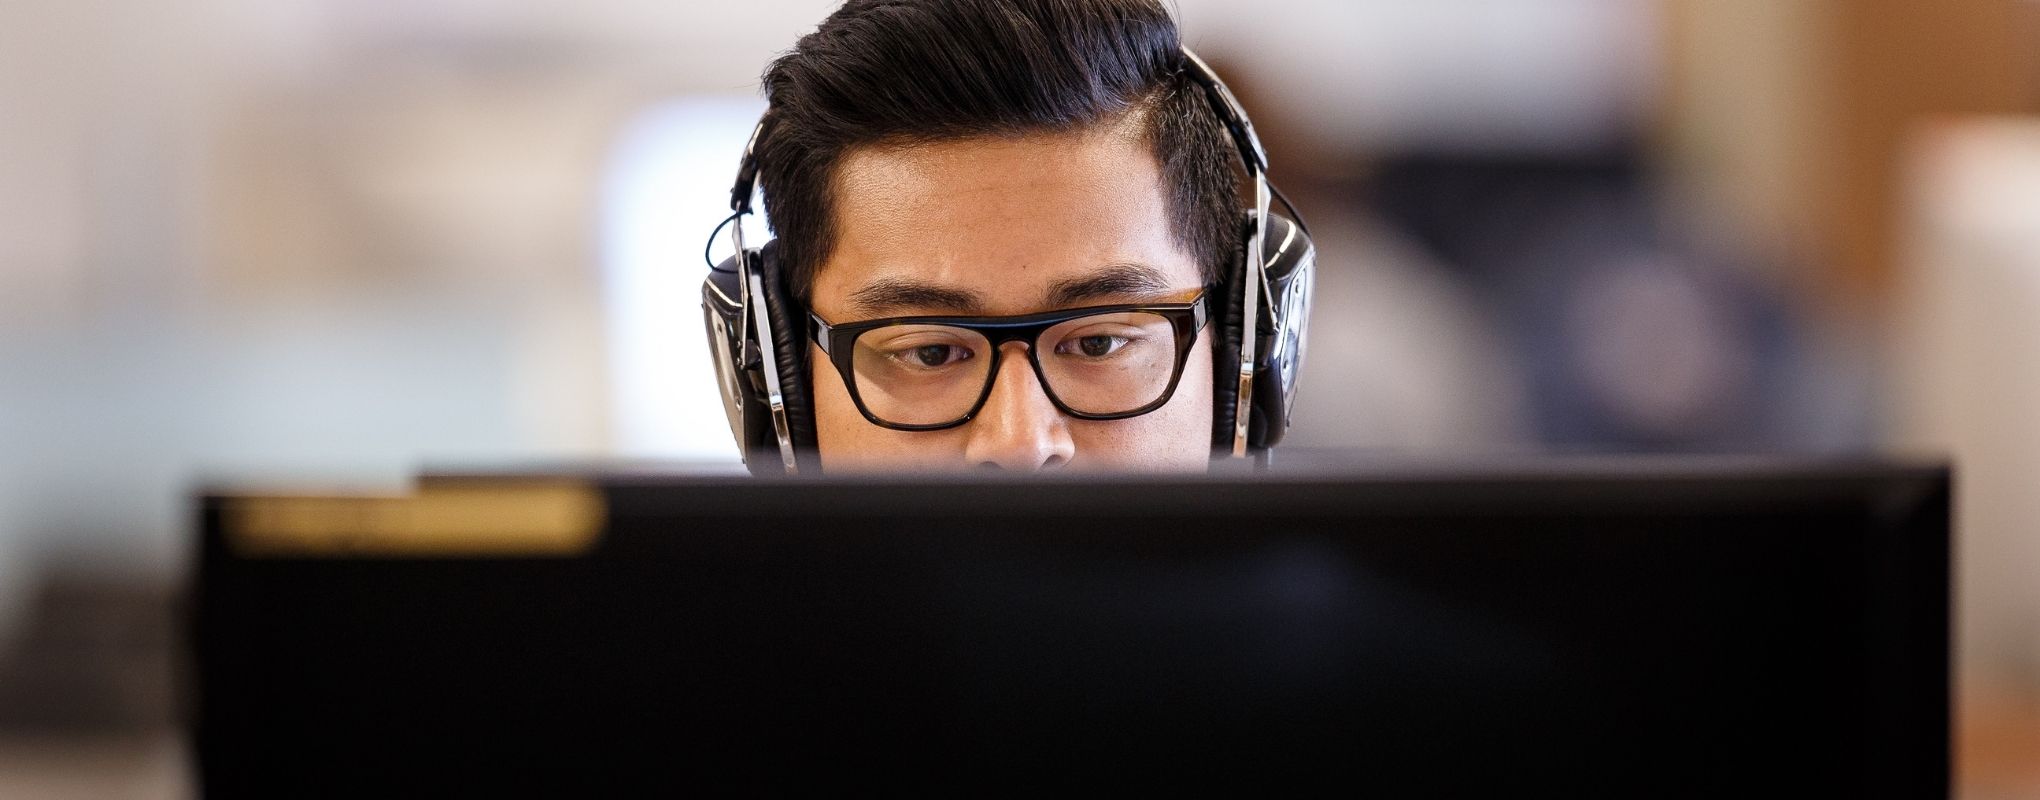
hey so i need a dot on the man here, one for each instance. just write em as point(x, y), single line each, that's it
point(947, 181)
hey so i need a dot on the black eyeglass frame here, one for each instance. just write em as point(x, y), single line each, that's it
point(838, 342)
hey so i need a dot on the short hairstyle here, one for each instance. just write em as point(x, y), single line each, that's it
point(905, 71)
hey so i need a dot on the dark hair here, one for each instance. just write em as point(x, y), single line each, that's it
point(890, 71)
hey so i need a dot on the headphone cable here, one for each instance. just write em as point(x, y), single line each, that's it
point(709, 245)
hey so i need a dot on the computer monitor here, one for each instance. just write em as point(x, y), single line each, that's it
point(1627, 628)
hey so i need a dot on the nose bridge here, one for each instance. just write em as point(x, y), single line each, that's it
point(1019, 427)
point(1024, 334)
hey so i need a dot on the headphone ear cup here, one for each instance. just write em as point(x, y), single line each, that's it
point(1290, 260)
point(730, 342)
point(787, 321)
point(1290, 263)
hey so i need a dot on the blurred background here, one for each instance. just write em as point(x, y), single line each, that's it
point(335, 242)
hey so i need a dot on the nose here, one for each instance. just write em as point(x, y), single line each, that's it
point(1018, 428)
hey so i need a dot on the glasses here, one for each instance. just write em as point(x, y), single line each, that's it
point(931, 373)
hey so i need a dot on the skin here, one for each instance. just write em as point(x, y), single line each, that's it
point(997, 226)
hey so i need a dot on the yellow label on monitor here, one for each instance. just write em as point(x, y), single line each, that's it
point(480, 518)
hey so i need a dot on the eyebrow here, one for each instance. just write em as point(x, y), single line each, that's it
point(894, 294)
point(1113, 279)
point(888, 295)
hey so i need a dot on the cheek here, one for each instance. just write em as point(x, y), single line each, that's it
point(840, 431)
point(849, 442)
point(1174, 438)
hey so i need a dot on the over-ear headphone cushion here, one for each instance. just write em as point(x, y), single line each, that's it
point(789, 345)
point(1229, 316)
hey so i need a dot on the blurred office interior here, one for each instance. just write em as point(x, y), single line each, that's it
point(328, 243)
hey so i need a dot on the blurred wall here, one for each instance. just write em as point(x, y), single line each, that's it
point(1968, 366)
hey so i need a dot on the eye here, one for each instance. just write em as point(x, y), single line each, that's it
point(1093, 346)
point(930, 356)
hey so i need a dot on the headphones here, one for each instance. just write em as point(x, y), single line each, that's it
point(757, 331)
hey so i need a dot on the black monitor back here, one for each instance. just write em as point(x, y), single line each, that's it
point(1646, 632)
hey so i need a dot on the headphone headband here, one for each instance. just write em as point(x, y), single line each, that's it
point(1230, 113)
point(747, 170)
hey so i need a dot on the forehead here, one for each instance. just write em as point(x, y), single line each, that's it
point(1006, 218)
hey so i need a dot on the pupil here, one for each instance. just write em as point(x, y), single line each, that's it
point(1095, 346)
point(933, 355)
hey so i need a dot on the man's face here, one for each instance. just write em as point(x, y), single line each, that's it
point(999, 227)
